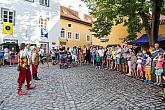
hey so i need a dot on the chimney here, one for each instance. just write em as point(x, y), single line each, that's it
point(81, 13)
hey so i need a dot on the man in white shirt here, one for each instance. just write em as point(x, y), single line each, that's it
point(118, 58)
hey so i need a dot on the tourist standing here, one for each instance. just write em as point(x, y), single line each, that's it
point(35, 63)
point(118, 58)
point(12, 56)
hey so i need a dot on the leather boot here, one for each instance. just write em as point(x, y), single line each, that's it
point(36, 77)
point(29, 87)
point(20, 90)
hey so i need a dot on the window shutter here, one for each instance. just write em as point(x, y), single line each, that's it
point(2, 14)
point(48, 3)
point(14, 17)
point(41, 2)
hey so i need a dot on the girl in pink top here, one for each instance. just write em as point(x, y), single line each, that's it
point(159, 68)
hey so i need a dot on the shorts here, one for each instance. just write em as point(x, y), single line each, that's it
point(133, 66)
point(124, 60)
point(92, 57)
point(108, 60)
point(98, 63)
point(118, 60)
point(139, 68)
point(159, 71)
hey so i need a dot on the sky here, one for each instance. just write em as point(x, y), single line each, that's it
point(74, 4)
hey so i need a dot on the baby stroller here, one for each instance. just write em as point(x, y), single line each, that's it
point(63, 61)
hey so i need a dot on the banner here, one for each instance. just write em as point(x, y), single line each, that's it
point(44, 32)
point(7, 28)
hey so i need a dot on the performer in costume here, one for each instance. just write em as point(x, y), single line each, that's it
point(24, 71)
point(35, 63)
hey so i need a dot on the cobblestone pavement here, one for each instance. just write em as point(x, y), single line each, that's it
point(78, 88)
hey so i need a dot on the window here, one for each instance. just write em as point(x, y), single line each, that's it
point(69, 25)
point(88, 38)
point(8, 15)
point(44, 2)
point(43, 22)
point(69, 35)
point(77, 36)
point(30, 0)
point(62, 33)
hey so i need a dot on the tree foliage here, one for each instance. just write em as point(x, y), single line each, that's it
point(135, 14)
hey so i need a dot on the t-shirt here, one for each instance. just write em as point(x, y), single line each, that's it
point(108, 54)
point(139, 63)
point(156, 52)
point(114, 55)
point(133, 60)
point(118, 53)
point(159, 63)
point(98, 59)
point(125, 51)
point(101, 53)
point(148, 62)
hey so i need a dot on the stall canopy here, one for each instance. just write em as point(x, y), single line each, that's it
point(143, 40)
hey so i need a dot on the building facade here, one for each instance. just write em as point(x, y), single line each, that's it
point(34, 21)
point(119, 33)
point(75, 28)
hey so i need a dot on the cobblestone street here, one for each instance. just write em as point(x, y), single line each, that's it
point(78, 88)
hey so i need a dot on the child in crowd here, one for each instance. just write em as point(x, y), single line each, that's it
point(144, 57)
point(148, 69)
point(163, 77)
point(139, 67)
point(98, 61)
point(133, 63)
point(159, 68)
point(108, 58)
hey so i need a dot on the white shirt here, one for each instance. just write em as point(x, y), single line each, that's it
point(42, 52)
point(101, 53)
point(118, 53)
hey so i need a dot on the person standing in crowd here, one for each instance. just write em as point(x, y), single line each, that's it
point(35, 63)
point(156, 50)
point(144, 57)
point(93, 56)
point(1, 56)
point(163, 77)
point(148, 69)
point(12, 56)
point(98, 61)
point(159, 68)
point(88, 57)
point(139, 67)
point(129, 62)
point(125, 65)
point(41, 53)
point(133, 64)
point(113, 64)
point(101, 54)
point(57, 55)
point(53, 55)
point(74, 55)
point(6, 55)
point(118, 58)
point(84, 54)
point(109, 58)
point(24, 72)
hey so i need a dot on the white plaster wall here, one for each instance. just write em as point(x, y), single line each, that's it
point(27, 21)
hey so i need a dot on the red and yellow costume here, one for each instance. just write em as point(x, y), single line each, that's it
point(24, 72)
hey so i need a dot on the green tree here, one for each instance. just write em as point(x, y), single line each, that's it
point(135, 14)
